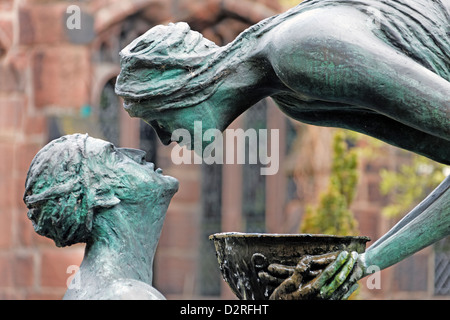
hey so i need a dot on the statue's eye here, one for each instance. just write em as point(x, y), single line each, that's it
point(141, 46)
point(136, 155)
point(112, 148)
point(113, 151)
point(143, 160)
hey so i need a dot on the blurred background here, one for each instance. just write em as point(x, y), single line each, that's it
point(57, 77)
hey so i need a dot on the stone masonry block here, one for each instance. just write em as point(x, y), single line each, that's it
point(61, 76)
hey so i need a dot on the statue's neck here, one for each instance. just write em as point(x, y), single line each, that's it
point(122, 246)
point(249, 79)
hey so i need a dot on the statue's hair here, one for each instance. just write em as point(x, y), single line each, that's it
point(174, 67)
point(165, 65)
point(58, 191)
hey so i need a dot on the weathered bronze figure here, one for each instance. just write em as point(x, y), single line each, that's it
point(327, 63)
point(81, 189)
point(387, 78)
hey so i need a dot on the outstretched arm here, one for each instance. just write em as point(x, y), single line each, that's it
point(417, 232)
point(440, 191)
point(428, 223)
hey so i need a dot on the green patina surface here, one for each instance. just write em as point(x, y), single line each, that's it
point(324, 62)
point(81, 189)
point(379, 67)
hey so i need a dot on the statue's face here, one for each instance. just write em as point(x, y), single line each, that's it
point(169, 63)
point(140, 183)
point(196, 120)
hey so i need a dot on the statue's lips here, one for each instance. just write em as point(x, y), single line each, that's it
point(151, 166)
point(173, 182)
point(128, 103)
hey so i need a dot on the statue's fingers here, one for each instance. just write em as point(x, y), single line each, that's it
point(283, 294)
point(330, 270)
point(296, 295)
point(342, 291)
point(280, 270)
point(314, 273)
point(324, 259)
point(349, 292)
point(321, 261)
point(327, 290)
point(268, 278)
point(284, 290)
point(303, 265)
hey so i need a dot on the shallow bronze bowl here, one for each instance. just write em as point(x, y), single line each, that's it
point(242, 256)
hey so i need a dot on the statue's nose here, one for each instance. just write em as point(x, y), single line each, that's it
point(135, 154)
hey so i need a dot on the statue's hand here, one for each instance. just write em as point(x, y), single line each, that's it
point(314, 277)
point(344, 282)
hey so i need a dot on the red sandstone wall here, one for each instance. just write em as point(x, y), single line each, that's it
point(42, 74)
point(35, 63)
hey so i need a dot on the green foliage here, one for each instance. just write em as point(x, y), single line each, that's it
point(332, 215)
point(410, 184)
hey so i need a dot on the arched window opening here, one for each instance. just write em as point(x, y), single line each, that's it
point(109, 113)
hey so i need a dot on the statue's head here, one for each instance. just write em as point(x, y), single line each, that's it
point(75, 177)
point(164, 67)
point(166, 76)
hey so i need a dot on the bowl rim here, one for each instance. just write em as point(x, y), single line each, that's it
point(224, 235)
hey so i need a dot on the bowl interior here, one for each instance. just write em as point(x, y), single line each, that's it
point(242, 255)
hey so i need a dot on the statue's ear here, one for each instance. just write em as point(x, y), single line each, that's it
point(104, 199)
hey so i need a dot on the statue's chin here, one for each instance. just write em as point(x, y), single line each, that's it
point(127, 104)
point(133, 105)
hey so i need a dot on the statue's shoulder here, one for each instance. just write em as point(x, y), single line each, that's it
point(120, 289)
point(129, 289)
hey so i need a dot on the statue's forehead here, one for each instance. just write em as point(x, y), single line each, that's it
point(95, 146)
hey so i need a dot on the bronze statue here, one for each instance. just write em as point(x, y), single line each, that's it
point(380, 78)
point(324, 62)
point(81, 189)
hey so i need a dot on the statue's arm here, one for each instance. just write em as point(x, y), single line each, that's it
point(430, 199)
point(425, 225)
point(417, 232)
